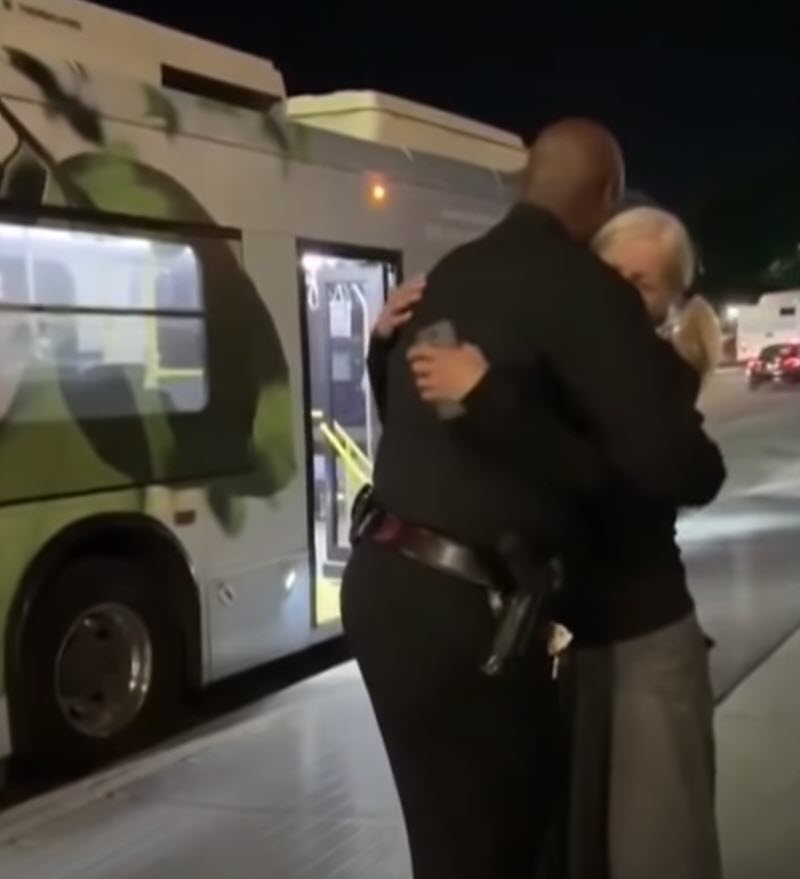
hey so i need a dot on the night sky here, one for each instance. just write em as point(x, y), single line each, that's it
point(701, 95)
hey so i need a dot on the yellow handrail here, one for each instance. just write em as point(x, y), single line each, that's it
point(355, 448)
point(348, 459)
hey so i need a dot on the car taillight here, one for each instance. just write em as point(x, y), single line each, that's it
point(792, 363)
point(751, 365)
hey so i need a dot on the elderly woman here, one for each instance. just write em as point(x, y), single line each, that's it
point(652, 249)
point(643, 767)
point(655, 763)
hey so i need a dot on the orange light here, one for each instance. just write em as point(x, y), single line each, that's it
point(379, 193)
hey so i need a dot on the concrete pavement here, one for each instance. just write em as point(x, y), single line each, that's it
point(758, 740)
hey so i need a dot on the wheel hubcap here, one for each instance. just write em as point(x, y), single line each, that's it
point(104, 669)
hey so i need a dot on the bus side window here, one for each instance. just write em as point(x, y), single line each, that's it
point(99, 305)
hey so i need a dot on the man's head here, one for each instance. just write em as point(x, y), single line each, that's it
point(652, 249)
point(576, 171)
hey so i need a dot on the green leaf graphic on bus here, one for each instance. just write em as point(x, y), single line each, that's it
point(248, 377)
point(23, 178)
point(239, 433)
point(83, 118)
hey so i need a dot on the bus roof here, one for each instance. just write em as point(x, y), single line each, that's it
point(129, 46)
point(393, 121)
point(779, 297)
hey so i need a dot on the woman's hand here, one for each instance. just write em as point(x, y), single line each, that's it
point(399, 307)
point(446, 375)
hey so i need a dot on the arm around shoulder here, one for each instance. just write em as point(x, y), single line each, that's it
point(546, 451)
point(604, 352)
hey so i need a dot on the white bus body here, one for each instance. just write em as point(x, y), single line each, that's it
point(193, 277)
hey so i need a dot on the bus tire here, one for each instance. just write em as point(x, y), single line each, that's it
point(103, 671)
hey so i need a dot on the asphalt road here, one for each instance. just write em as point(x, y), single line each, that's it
point(743, 552)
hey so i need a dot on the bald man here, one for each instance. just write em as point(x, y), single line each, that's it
point(477, 759)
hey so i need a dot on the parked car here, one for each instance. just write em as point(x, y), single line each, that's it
point(775, 365)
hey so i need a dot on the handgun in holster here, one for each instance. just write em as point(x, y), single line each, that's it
point(524, 615)
point(364, 514)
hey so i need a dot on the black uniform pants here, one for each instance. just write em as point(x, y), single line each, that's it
point(475, 760)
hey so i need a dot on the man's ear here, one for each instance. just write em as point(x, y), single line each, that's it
point(612, 196)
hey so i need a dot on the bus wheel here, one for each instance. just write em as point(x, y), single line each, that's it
point(103, 667)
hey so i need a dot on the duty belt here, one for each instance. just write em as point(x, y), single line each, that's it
point(433, 550)
point(518, 586)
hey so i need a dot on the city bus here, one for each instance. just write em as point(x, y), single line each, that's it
point(190, 265)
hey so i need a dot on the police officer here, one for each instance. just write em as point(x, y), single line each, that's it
point(474, 758)
point(642, 721)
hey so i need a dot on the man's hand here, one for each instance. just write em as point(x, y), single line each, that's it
point(399, 307)
point(446, 375)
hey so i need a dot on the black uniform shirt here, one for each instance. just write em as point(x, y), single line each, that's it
point(576, 368)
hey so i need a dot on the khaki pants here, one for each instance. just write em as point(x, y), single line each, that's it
point(643, 772)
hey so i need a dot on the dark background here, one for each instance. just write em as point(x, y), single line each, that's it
point(704, 96)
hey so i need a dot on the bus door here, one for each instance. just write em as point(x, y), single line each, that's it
point(343, 293)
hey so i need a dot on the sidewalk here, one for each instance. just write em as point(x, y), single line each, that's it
point(300, 789)
point(297, 787)
point(758, 730)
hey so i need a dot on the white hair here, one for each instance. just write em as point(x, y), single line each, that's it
point(666, 229)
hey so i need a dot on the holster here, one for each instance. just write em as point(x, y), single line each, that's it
point(525, 614)
point(520, 584)
point(363, 514)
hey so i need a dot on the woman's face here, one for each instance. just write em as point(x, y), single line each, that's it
point(641, 262)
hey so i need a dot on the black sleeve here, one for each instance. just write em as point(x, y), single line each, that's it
point(378, 370)
point(603, 350)
point(543, 448)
